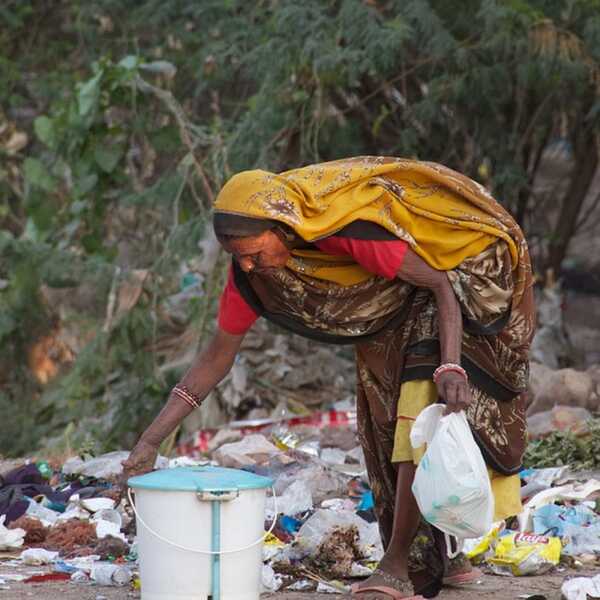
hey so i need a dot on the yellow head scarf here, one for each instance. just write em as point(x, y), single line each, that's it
point(444, 216)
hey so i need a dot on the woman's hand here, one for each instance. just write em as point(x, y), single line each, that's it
point(141, 460)
point(453, 388)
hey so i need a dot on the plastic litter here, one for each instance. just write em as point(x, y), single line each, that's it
point(110, 575)
point(45, 515)
point(296, 499)
point(106, 466)
point(93, 505)
point(480, 549)
point(525, 554)
point(186, 461)
point(45, 469)
point(62, 567)
point(367, 501)
point(572, 491)
point(338, 504)
point(108, 528)
point(289, 524)
point(581, 588)
point(109, 514)
point(272, 546)
point(357, 454)
point(101, 467)
point(79, 577)
point(38, 556)
point(558, 518)
point(334, 456)
point(331, 588)
point(301, 585)
point(322, 481)
point(537, 480)
point(251, 450)
point(271, 581)
point(10, 539)
point(322, 522)
point(451, 485)
point(581, 540)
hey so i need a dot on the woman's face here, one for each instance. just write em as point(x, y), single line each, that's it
point(260, 253)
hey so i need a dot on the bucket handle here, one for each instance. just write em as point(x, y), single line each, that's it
point(164, 539)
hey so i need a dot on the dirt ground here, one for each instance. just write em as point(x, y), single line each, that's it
point(499, 588)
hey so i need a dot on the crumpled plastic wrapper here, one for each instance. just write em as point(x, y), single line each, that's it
point(10, 539)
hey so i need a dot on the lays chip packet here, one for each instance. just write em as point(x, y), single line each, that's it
point(525, 554)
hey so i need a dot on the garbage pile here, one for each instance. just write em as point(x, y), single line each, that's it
point(325, 529)
point(559, 527)
point(70, 524)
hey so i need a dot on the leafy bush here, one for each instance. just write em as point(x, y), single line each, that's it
point(120, 120)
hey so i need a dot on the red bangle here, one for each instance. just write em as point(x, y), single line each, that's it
point(183, 392)
point(449, 367)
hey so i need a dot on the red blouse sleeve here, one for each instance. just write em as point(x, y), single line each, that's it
point(235, 315)
point(382, 257)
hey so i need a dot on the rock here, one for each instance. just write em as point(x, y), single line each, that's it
point(594, 373)
point(567, 387)
point(560, 418)
point(538, 375)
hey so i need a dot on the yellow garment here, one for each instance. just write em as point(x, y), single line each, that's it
point(414, 397)
point(444, 216)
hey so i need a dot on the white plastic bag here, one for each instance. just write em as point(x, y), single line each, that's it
point(452, 485)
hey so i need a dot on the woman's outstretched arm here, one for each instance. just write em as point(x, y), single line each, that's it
point(208, 369)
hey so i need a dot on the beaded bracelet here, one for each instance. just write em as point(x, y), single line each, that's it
point(449, 367)
point(183, 392)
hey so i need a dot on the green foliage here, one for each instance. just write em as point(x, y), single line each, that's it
point(565, 448)
point(137, 112)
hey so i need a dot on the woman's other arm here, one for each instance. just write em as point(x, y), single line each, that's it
point(452, 386)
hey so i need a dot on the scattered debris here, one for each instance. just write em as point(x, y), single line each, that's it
point(111, 548)
point(325, 534)
point(581, 588)
point(35, 532)
point(73, 536)
point(10, 539)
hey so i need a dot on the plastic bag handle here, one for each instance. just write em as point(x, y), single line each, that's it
point(210, 552)
point(459, 545)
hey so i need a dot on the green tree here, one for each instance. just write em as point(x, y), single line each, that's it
point(120, 119)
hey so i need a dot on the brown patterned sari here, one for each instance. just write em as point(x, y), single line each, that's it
point(394, 326)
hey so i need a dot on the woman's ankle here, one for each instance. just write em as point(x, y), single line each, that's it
point(395, 564)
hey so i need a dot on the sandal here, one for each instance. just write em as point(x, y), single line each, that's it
point(461, 572)
point(463, 578)
point(396, 588)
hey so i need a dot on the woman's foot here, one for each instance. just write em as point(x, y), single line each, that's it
point(382, 585)
point(460, 571)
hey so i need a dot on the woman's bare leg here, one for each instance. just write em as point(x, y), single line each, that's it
point(406, 524)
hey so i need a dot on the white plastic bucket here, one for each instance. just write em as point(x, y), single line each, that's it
point(175, 534)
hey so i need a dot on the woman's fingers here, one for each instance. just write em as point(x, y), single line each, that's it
point(451, 397)
point(454, 390)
